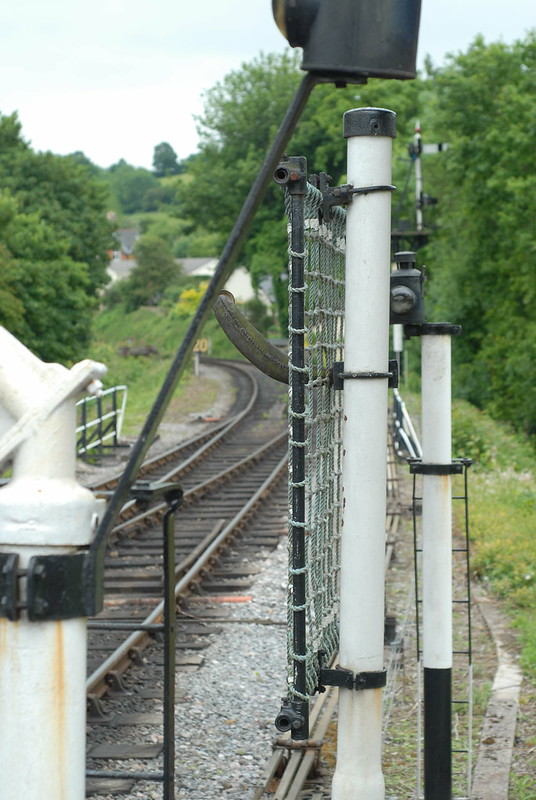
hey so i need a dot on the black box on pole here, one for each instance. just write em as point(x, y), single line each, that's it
point(351, 40)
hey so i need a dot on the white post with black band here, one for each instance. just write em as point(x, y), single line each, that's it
point(358, 774)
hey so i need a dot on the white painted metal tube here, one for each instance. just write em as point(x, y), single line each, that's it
point(358, 774)
point(43, 511)
point(437, 503)
point(437, 564)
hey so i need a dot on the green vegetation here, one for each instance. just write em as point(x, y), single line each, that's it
point(502, 506)
point(483, 260)
point(160, 328)
point(54, 237)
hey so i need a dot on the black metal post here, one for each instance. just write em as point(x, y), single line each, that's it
point(114, 407)
point(95, 560)
point(145, 491)
point(170, 615)
point(293, 175)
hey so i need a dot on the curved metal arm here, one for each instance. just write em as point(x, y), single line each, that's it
point(248, 340)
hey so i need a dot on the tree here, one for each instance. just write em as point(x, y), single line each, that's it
point(131, 186)
point(44, 293)
point(483, 261)
point(241, 116)
point(155, 270)
point(165, 160)
point(65, 195)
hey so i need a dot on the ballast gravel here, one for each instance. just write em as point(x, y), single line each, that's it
point(224, 719)
point(226, 728)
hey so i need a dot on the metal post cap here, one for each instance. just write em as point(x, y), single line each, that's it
point(369, 122)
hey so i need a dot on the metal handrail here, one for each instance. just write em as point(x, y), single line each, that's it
point(406, 441)
point(102, 426)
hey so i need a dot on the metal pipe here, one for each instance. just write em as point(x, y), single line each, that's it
point(418, 177)
point(170, 626)
point(297, 380)
point(358, 774)
point(437, 567)
point(230, 252)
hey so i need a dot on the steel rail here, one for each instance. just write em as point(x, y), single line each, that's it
point(212, 437)
point(197, 491)
point(99, 675)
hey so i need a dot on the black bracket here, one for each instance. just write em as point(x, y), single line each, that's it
point(341, 195)
point(432, 329)
point(9, 565)
point(456, 467)
point(339, 375)
point(57, 586)
point(346, 679)
point(146, 491)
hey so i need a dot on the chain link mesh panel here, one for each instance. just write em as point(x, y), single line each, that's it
point(316, 553)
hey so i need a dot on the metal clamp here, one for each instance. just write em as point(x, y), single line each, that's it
point(341, 195)
point(456, 467)
point(339, 375)
point(346, 679)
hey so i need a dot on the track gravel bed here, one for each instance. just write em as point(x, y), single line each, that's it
point(225, 709)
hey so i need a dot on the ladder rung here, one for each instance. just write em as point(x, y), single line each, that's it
point(460, 702)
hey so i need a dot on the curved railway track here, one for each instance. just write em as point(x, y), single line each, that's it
point(230, 476)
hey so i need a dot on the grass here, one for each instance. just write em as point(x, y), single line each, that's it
point(502, 506)
point(143, 375)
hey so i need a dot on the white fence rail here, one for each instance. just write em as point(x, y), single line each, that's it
point(100, 420)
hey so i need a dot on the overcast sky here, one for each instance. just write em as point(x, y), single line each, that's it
point(114, 78)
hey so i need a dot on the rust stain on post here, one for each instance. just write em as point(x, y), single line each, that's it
point(60, 709)
point(3, 637)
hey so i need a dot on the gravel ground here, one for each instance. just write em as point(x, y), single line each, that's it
point(224, 736)
point(224, 717)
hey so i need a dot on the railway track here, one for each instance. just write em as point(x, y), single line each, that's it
point(235, 508)
point(234, 486)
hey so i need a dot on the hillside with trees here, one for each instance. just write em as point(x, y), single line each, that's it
point(54, 238)
point(480, 259)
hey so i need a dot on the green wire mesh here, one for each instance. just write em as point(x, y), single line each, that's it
point(323, 292)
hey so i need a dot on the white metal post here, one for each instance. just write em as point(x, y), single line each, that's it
point(43, 511)
point(358, 774)
point(417, 141)
point(437, 560)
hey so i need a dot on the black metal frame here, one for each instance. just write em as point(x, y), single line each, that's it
point(172, 493)
point(294, 714)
